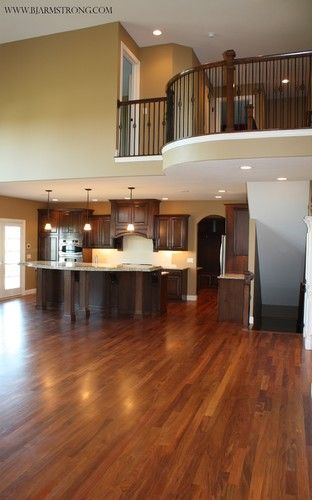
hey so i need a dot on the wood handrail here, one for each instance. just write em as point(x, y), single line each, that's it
point(141, 101)
point(244, 60)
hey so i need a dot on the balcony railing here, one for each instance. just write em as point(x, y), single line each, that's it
point(259, 93)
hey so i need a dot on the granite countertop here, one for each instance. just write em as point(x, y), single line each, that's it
point(232, 276)
point(88, 266)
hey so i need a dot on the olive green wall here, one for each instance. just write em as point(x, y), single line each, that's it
point(15, 208)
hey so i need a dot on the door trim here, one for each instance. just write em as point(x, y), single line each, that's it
point(125, 51)
point(21, 222)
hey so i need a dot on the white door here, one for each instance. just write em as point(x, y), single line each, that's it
point(12, 244)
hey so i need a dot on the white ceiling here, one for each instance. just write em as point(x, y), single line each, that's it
point(196, 181)
point(251, 27)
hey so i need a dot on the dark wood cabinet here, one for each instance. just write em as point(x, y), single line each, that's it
point(234, 298)
point(48, 240)
point(140, 212)
point(176, 284)
point(99, 236)
point(71, 222)
point(43, 219)
point(48, 247)
point(237, 238)
point(171, 232)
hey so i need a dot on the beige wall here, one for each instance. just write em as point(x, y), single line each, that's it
point(156, 70)
point(58, 104)
point(15, 208)
point(160, 63)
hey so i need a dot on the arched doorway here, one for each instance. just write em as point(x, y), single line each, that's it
point(209, 232)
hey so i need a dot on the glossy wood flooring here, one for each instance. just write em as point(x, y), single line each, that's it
point(178, 407)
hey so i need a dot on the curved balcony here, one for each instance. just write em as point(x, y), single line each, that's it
point(250, 94)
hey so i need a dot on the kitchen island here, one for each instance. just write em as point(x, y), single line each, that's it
point(135, 290)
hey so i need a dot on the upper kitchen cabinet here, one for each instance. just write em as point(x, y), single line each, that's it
point(171, 232)
point(99, 236)
point(72, 222)
point(140, 213)
point(43, 219)
point(237, 237)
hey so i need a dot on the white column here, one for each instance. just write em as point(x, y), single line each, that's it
point(307, 320)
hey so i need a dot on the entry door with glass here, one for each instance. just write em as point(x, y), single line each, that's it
point(11, 254)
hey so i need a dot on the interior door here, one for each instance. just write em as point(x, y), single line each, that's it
point(12, 244)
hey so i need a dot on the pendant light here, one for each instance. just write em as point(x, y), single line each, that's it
point(130, 226)
point(48, 226)
point(87, 226)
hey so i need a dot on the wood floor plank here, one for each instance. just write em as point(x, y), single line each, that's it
point(178, 406)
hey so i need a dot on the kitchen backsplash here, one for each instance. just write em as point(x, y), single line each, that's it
point(139, 250)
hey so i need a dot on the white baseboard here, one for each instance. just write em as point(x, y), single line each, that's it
point(190, 297)
point(308, 343)
point(31, 291)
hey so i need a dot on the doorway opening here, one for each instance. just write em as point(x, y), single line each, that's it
point(12, 245)
point(129, 91)
point(209, 232)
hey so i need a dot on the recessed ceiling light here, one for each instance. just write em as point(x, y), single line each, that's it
point(218, 196)
point(54, 199)
point(281, 179)
point(165, 198)
point(157, 32)
point(245, 167)
point(94, 199)
point(211, 34)
point(221, 190)
point(285, 80)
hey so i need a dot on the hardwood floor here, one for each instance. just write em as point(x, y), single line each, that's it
point(173, 407)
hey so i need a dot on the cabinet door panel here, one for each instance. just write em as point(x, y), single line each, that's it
point(48, 248)
point(178, 233)
point(163, 233)
point(99, 236)
point(174, 287)
point(123, 215)
point(140, 213)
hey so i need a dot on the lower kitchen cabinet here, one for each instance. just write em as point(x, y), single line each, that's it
point(176, 284)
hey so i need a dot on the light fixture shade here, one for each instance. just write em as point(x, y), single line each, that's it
point(130, 227)
point(48, 227)
point(87, 226)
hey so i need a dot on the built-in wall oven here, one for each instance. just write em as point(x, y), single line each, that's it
point(70, 250)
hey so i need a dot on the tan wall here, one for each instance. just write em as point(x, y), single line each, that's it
point(160, 63)
point(156, 70)
point(15, 208)
point(58, 103)
point(183, 58)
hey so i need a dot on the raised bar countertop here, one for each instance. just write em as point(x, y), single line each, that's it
point(88, 266)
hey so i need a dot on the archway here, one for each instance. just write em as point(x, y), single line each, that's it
point(209, 232)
